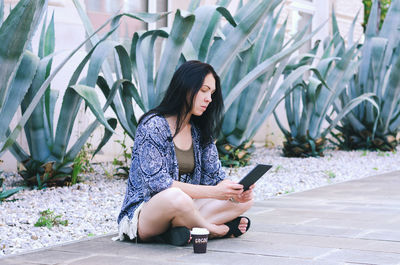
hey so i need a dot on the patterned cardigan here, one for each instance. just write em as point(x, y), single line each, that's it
point(154, 165)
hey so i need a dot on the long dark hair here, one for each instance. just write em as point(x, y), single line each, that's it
point(187, 80)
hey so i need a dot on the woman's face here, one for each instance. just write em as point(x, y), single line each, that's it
point(203, 97)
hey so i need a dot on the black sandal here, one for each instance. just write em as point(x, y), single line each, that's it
point(234, 227)
point(177, 236)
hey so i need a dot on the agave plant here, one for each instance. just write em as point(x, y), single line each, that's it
point(122, 76)
point(252, 88)
point(18, 66)
point(311, 99)
point(377, 73)
point(22, 65)
point(48, 160)
point(198, 35)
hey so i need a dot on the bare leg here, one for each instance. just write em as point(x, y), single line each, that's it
point(219, 212)
point(172, 207)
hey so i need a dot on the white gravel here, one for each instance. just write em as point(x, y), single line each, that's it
point(91, 207)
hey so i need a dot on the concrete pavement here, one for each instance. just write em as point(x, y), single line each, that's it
point(355, 222)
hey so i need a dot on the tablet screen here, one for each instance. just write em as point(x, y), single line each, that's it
point(255, 174)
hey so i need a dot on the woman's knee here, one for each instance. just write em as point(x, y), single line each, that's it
point(178, 200)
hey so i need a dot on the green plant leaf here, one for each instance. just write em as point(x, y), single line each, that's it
point(18, 88)
point(353, 103)
point(371, 29)
point(193, 5)
point(11, 138)
point(8, 193)
point(238, 35)
point(181, 27)
point(107, 135)
point(259, 117)
point(1, 12)
point(78, 145)
point(262, 68)
point(36, 127)
point(91, 99)
point(392, 96)
point(15, 34)
point(143, 63)
point(18, 152)
point(205, 26)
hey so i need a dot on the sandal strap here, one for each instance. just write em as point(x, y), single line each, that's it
point(234, 227)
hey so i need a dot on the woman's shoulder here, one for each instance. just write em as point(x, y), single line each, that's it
point(152, 120)
point(153, 126)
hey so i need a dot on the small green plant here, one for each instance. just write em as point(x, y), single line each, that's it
point(383, 8)
point(375, 168)
point(49, 219)
point(330, 174)
point(235, 156)
point(91, 234)
point(279, 167)
point(269, 143)
point(40, 185)
point(86, 156)
point(122, 161)
point(4, 194)
point(82, 163)
point(380, 153)
point(289, 191)
point(76, 170)
point(106, 172)
point(364, 153)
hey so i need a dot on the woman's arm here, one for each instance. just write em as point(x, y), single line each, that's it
point(224, 190)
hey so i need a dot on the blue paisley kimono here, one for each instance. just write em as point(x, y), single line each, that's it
point(154, 167)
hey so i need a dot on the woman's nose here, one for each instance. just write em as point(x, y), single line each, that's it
point(208, 97)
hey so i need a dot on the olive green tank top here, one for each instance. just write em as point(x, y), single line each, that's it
point(185, 160)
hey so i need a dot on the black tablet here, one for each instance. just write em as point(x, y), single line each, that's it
point(255, 174)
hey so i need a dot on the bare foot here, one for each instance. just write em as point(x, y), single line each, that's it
point(243, 225)
point(218, 230)
point(221, 230)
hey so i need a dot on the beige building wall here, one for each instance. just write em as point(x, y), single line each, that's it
point(70, 32)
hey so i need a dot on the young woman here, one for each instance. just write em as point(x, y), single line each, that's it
point(176, 181)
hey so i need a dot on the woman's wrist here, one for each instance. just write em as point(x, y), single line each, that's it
point(213, 192)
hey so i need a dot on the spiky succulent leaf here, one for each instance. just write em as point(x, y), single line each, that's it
point(377, 73)
point(181, 27)
point(18, 88)
point(15, 34)
point(14, 134)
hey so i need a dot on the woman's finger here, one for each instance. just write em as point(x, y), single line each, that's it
point(247, 192)
point(236, 192)
point(236, 186)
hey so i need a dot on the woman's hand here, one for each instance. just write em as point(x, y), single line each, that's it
point(245, 196)
point(227, 189)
